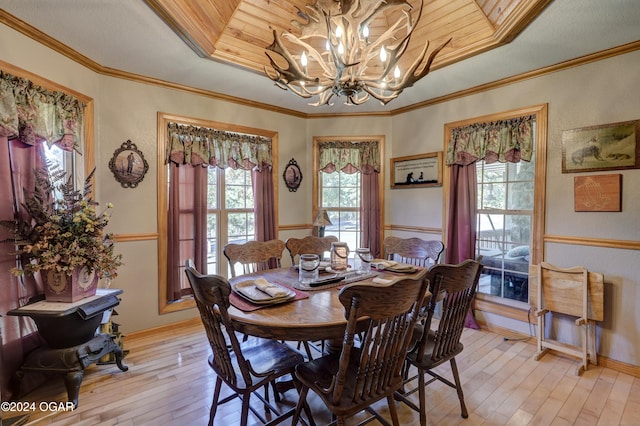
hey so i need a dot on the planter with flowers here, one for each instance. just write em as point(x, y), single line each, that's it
point(63, 237)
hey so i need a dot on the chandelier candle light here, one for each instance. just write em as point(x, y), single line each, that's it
point(337, 53)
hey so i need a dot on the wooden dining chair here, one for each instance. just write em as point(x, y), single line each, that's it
point(413, 251)
point(254, 256)
point(245, 367)
point(358, 376)
point(309, 245)
point(455, 286)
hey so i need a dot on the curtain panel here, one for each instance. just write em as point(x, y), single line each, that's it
point(349, 156)
point(204, 146)
point(503, 141)
point(34, 114)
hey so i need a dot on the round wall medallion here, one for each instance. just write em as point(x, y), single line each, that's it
point(292, 176)
point(128, 165)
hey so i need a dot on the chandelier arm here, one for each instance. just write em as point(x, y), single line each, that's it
point(411, 76)
point(384, 99)
point(312, 52)
point(293, 71)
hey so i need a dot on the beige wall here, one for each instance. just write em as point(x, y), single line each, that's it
point(592, 94)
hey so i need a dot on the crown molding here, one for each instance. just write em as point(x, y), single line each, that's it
point(46, 40)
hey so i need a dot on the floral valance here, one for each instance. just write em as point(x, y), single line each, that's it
point(34, 114)
point(209, 147)
point(349, 156)
point(503, 141)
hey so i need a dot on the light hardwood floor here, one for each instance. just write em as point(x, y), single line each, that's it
point(170, 383)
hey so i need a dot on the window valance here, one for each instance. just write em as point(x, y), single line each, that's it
point(349, 156)
point(503, 141)
point(33, 114)
point(209, 147)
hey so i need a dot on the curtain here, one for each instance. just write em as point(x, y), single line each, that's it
point(34, 114)
point(190, 151)
point(19, 334)
point(349, 156)
point(504, 141)
point(186, 224)
point(200, 145)
point(461, 223)
point(364, 157)
point(29, 116)
point(264, 206)
point(370, 213)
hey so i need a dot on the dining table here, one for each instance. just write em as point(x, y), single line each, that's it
point(310, 315)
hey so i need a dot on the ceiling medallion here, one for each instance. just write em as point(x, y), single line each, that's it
point(344, 50)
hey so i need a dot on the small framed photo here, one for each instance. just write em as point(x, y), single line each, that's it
point(292, 176)
point(128, 165)
point(607, 147)
point(416, 171)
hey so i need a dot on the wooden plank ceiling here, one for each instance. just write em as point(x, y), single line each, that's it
point(238, 31)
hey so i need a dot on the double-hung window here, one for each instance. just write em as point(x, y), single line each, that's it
point(207, 198)
point(230, 213)
point(495, 208)
point(347, 186)
point(340, 196)
point(503, 230)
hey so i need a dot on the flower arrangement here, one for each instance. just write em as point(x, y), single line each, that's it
point(64, 231)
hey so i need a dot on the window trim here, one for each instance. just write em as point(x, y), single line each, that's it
point(488, 303)
point(317, 140)
point(161, 155)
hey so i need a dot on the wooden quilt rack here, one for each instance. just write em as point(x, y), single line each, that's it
point(571, 291)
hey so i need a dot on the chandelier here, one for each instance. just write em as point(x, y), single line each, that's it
point(338, 54)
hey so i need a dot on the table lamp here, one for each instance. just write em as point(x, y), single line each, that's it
point(322, 220)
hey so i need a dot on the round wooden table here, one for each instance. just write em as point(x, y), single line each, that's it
point(318, 317)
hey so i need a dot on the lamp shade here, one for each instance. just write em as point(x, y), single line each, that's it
point(322, 219)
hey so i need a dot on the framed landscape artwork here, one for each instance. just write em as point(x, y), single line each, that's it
point(607, 147)
point(417, 171)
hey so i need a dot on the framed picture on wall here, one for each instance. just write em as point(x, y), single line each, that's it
point(128, 165)
point(416, 171)
point(606, 147)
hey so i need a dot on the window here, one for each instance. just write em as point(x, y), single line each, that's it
point(508, 212)
point(347, 183)
point(230, 217)
point(340, 195)
point(210, 206)
point(64, 159)
point(503, 233)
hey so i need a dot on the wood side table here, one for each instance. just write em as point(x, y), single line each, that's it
point(71, 342)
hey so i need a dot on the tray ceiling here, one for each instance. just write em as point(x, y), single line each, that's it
point(216, 47)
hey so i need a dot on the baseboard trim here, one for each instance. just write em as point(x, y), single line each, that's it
point(188, 323)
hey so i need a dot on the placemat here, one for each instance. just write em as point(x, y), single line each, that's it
point(246, 306)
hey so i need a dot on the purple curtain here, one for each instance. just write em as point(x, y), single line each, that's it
point(264, 208)
point(186, 226)
point(461, 226)
point(370, 213)
point(18, 334)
